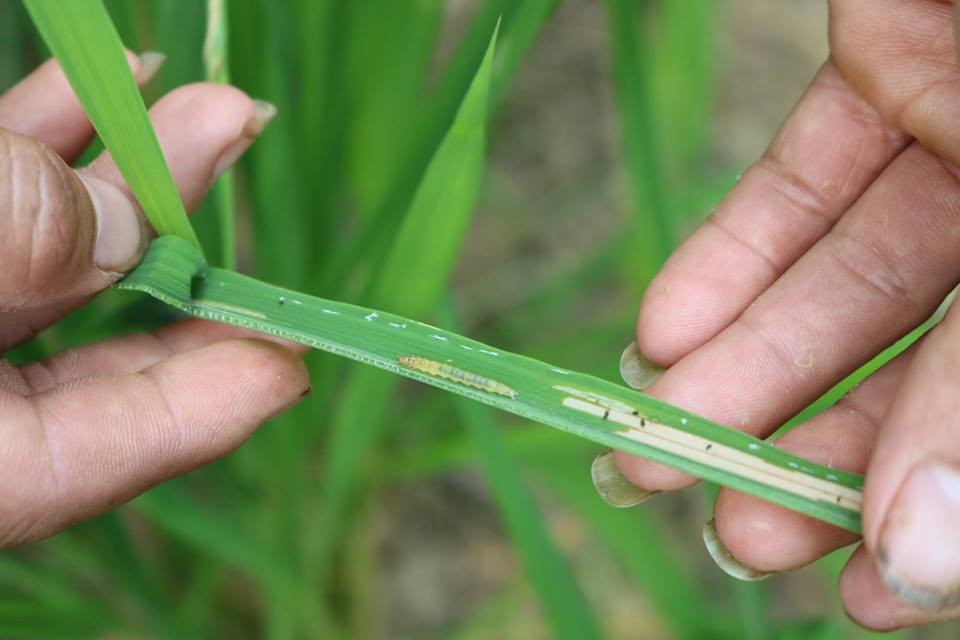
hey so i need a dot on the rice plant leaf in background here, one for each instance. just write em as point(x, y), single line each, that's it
point(26, 618)
point(82, 37)
point(57, 598)
point(656, 568)
point(521, 21)
point(429, 128)
point(651, 237)
point(411, 279)
point(519, 33)
point(176, 513)
point(285, 243)
point(216, 52)
point(433, 227)
point(565, 609)
point(323, 116)
point(384, 79)
point(681, 74)
point(12, 45)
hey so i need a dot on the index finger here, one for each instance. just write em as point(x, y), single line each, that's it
point(829, 149)
point(44, 107)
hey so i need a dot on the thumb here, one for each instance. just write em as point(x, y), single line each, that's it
point(63, 237)
point(912, 492)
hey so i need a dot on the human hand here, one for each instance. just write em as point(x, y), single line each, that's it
point(840, 239)
point(94, 426)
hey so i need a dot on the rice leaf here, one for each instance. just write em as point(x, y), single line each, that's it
point(599, 410)
point(519, 32)
point(216, 59)
point(27, 618)
point(384, 77)
point(57, 597)
point(642, 153)
point(324, 116)
point(82, 37)
point(564, 607)
point(681, 81)
point(412, 277)
point(183, 519)
point(284, 247)
point(13, 45)
point(521, 20)
point(640, 545)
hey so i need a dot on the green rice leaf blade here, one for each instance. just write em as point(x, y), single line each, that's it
point(82, 37)
point(280, 181)
point(520, 30)
point(638, 543)
point(27, 618)
point(642, 154)
point(565, 609)
point(401, 37)
point(411, 278)
point(168, 509)
point(45, 588)
point(596, 409)
point(13, 44)
point(216, 58)
point(564, 606)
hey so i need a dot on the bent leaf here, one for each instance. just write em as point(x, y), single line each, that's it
point(83, 39)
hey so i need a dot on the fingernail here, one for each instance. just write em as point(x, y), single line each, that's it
point(919, 548)
point(725, 560)
point(636, 370)
point(613, 486)
point(150, 63)
point(121, 233)
point(263, 113)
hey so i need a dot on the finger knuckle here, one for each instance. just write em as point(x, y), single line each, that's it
point(872, 266)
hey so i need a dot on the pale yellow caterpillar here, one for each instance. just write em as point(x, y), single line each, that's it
point(449, 372)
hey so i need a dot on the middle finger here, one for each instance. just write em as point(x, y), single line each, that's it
point(880, 271)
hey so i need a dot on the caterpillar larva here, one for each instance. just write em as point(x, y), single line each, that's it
point(449, 372)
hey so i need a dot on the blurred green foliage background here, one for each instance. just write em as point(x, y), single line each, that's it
point(615, 126)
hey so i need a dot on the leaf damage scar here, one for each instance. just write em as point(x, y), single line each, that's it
point(232, 309)
point(716, 455)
